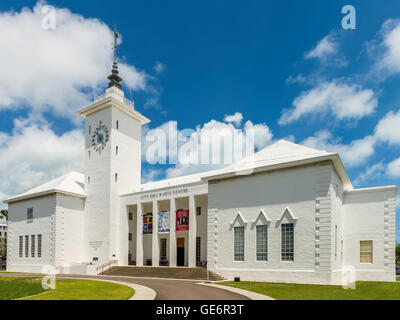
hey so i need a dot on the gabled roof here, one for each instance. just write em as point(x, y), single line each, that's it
point(282, 154)
point(70, 184)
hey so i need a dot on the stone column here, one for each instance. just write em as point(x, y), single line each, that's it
point(155, 252)
point(192, 232)
point(172, 233)
point(139, 236)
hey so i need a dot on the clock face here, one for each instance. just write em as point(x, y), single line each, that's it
point(100, 138)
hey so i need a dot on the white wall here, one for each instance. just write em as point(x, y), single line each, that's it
point(371, 216)
point(273, 192)
point(43, 211)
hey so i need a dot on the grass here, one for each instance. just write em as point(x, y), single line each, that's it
point(15, 288)
point(284, 291)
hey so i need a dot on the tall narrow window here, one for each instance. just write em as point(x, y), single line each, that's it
point(130, 215)
point(117, 125)
point(29, 215)
point(198, 211)
point(88, 180)
point(262, 243)
point(366, 252)
point(90, 129)
point(21, 245)
point(33, 246)
point(238, 243)
point(287, 242)
point(116, 177)
point(130, 237)
point(89, 154)
point(39, 244)
point(336, 239)
point(198, 250)
point(116, 150)
point(341, 251)
point(163, 249)
point(26, 246)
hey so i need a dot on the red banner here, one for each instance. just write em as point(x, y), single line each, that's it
point(182, 220)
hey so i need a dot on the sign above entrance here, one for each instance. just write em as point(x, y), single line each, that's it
point(163, 222)
point(164, 194)
point(182, 220)
point(148, 223)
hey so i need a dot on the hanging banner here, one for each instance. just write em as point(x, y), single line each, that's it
point(163, 222)
point(182, 220)
point(148, 223)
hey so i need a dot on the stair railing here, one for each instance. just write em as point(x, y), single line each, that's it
point(106, 266)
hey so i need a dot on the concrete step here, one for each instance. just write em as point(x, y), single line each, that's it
point(164, 272)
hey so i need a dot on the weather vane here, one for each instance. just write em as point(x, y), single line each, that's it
point(116, 36)
point(115, 79)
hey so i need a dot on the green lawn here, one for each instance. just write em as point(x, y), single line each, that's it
point(283, 291)
point(14, 288)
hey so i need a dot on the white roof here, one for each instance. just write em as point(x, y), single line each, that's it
point(71, 184)
point(282, 154)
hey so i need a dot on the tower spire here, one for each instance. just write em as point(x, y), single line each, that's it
point(115, 79)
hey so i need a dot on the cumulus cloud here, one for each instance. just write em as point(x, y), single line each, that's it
point(393, 169)
point(33, 154)
point(342, 100)
point(56, 70)
point(389, 47)
point(325, 47)
point(388, 129)
point(353, 154)
point(235, 118)
point(211, 145)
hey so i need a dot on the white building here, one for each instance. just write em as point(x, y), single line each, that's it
point(291, 215)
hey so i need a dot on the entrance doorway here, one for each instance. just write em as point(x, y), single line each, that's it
point(180, 252)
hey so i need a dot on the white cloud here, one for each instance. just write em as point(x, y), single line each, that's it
point(389, 61)
point(342, 100)
point(372, 172)
point(353, 154)
point(235, 118)
point(55, 70)
point(33, 154)
point(325, 47)
point(393, 169)
point(159, 67)
point(388, 129)
point(203, 139)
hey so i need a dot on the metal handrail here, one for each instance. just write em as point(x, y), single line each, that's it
point(107, 264)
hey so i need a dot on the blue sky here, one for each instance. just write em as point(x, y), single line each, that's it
point(215, 58)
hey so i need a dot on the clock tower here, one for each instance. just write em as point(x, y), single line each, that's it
point(112, 166)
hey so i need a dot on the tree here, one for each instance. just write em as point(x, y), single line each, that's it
point(3, 250)
point(4, 213)
point(398, 255)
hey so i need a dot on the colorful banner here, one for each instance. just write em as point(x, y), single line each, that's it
point(163, 222)
point(182, 220)
point(148, 223)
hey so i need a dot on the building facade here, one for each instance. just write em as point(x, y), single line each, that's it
point(290, 214)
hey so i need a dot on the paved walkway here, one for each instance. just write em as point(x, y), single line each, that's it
point(166, 289)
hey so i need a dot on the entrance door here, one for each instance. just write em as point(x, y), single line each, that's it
point(180, 252)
